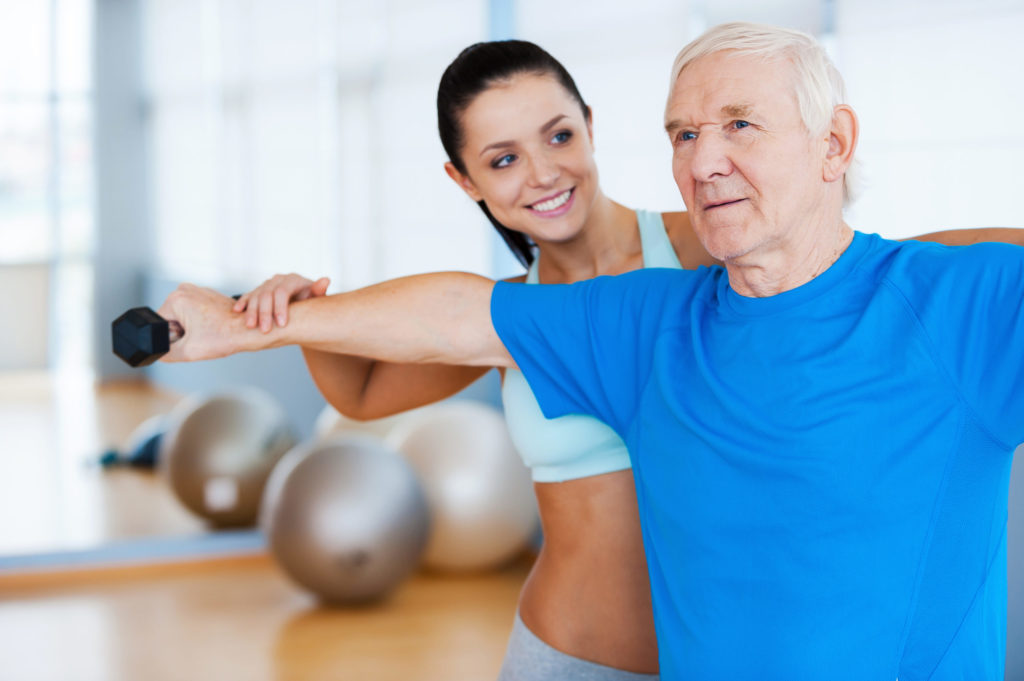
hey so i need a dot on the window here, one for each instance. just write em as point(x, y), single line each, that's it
point(46, 164)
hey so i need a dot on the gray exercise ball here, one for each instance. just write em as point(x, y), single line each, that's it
point(330, 422)
point(480, 494)
point(345, 518)
point(218, 452)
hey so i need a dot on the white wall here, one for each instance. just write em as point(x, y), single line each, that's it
point(302, 137)
point(938, 88)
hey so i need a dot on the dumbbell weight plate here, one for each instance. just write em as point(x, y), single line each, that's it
point(141, 336)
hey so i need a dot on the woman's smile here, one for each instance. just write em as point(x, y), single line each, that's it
point(554, 206)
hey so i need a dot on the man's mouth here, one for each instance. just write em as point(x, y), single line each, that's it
point(721, 204)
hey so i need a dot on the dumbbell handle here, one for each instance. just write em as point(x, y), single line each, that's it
point(174, 330)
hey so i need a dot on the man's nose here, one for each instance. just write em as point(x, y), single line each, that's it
point(710, 157)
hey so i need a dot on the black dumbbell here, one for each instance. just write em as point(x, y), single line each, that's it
point(141, 336)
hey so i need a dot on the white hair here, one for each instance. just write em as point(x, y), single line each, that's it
point(816, 82)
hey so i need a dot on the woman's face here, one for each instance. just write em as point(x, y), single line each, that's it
point(529, 155)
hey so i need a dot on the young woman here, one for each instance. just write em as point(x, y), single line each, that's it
point(520, 142)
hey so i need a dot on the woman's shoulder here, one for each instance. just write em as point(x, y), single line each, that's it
point(684, 240)
point(677, 225)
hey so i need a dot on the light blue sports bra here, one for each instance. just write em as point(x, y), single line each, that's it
point(575, 446)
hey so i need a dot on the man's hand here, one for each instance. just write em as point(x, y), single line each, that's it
point(211, 328)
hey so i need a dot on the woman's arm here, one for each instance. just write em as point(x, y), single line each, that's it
point(358, 387)
point(363, 388)
point(430, 318)
point(688, 248)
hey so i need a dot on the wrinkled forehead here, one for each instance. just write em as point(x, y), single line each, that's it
point(727, 83)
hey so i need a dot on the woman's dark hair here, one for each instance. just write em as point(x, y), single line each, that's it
point(476, 69)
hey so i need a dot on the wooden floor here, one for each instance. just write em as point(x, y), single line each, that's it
point(201, 618)
point(240, 619)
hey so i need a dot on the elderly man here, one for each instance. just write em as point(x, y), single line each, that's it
point(821, 433)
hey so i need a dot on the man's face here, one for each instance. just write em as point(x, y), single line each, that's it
point(745, 164)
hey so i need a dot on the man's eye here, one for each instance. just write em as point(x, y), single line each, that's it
point(741, 124)
point(687, 135)
point(503, 161)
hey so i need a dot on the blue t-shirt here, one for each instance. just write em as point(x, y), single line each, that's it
point(822, 475)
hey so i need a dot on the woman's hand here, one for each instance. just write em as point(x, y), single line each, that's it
point(269, 301)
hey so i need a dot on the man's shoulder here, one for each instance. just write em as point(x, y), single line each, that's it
point(927, 270)
point(923, 259)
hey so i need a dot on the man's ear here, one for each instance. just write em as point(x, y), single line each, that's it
point(465, 184)
point(842, 142)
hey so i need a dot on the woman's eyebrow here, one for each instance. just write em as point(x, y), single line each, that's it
point(508, 143)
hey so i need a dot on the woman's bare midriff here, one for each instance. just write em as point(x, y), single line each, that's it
point(588, 594)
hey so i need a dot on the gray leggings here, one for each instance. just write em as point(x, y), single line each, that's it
point(530, 659)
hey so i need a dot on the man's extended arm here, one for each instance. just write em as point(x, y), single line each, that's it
point(966, 237)
point(443, 317)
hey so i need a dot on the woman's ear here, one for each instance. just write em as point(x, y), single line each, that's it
point(463, 181)
point(590, 125)
point(842, 142)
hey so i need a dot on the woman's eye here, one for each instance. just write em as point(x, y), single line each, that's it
point(562, 137)
point(503, 161)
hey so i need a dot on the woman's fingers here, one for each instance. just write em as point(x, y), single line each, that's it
point(281, 297)
point(268, 303)
point(315, 290)
point(319, 287)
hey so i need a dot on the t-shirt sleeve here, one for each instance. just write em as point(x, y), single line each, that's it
point(971, 303)
point(586, 348)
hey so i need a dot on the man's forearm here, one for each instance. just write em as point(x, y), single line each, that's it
point(442, 317)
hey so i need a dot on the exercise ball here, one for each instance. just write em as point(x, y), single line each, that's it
point(483, 511)
point(218, 452)
point(345, 518)
point(331, 422)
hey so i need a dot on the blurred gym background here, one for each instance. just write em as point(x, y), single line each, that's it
point(148, 142)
